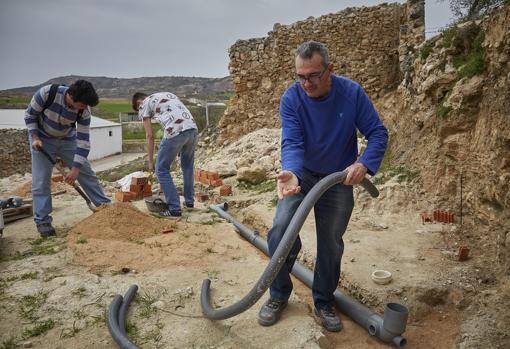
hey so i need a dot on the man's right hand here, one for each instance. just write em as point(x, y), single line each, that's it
point(36, 143)
point(287, 184)
point(151, 166)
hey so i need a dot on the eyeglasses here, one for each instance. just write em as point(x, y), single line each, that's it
point(312, 78)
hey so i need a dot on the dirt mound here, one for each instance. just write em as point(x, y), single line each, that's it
point(120, 221)
point(25, 190)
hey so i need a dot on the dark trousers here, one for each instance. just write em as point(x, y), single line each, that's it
point(332, 213)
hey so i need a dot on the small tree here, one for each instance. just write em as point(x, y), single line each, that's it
point(469, 9)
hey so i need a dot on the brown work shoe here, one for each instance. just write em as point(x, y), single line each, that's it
point(270, 312)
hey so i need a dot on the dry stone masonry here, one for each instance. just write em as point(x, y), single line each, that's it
point(369, 45)
point(15, 155)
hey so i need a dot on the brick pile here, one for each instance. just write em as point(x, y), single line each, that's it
point(438, 216)
point(139, 188)
point(210, 179)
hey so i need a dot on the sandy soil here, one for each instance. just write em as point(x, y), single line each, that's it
point(67, 282)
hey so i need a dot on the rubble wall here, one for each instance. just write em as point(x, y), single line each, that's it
point(367, 44)
point(15, 154)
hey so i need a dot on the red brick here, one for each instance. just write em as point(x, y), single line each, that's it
point(139, 180)
point(123, 196)
point(216, 182)
point(136, 188)
point(463, 253)
point(214, 175)
point(201, 197)
point(59, 178)
point(225, 190)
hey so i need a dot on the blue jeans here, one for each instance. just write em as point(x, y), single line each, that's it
point(332, 213)
point(41, 177)
point(184, 143)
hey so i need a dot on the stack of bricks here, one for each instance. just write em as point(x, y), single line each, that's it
point(208, 178)
point(139, 188)
point(438, 216)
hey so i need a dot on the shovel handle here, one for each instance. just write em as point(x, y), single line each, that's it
point(75, 186)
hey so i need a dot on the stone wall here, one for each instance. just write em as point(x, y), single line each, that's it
point(366, 44)
point(14, 154)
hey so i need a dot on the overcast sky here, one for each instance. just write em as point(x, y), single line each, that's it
point(43, 39)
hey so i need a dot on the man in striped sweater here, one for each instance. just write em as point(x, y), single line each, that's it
point(62, 129)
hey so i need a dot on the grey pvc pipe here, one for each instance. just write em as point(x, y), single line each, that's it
point(128, 297)
point(388, 328)
point(277, 260)
point(116, 329)
point(282, 251)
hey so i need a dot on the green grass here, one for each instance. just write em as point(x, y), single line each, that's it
point(427, 47)
point(260, 188)
point(29, 304)
point(401, 172)
point(39, 328)
point(146, 301)
point(137, 131)
point(469, 58)
point(110, 108)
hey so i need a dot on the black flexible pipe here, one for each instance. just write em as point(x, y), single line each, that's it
point(281, 253)
point(388, 328)
point(117, 331)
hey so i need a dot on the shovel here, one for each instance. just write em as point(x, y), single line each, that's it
point(63, 173)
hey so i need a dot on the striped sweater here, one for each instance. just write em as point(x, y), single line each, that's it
point(59, 121)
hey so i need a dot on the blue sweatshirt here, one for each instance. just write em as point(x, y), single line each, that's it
point(320, 133)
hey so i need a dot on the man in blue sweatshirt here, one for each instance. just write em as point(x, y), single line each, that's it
point(320, 114)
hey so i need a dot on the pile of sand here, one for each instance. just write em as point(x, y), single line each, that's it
point(121, 221)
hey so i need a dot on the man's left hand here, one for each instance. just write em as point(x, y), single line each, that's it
point(72, 175)
point(355, 173)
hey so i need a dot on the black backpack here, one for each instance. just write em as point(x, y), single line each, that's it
point(51, 99)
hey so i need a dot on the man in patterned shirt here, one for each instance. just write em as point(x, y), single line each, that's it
point(61, 129)
point(180, 137)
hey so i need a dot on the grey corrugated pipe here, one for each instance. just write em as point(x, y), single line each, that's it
point(388, 328)
point(117, 317)
point(282, 251)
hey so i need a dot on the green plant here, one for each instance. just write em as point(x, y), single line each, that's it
point(427, 47)
point(146, 301)
point(29, 304)
point(29, 275)
point(260, 188)
point(442, 110)
point(39, 328)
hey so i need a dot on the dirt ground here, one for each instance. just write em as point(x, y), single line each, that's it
point(54, 293)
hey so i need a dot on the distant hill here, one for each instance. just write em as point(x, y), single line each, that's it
point(189, 87)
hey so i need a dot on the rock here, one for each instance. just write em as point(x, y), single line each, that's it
point(158, 305)
point(255, 174)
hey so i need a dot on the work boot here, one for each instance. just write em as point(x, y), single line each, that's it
point(329, 320)
point(46, 230)
point(270, 312)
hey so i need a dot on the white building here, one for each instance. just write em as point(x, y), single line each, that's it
point(105, 136)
